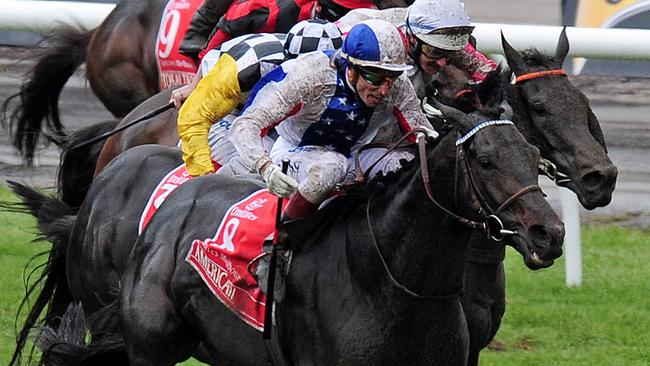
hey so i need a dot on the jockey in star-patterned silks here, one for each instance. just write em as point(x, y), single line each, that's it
point(324, 106)
point(229, 74)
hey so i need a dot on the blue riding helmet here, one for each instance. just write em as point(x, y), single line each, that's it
point(376, 44)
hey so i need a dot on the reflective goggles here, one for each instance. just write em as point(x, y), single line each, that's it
point(378, 78)
point(434, 53)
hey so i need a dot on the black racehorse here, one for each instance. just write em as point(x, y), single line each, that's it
point(404, 312)
point(121, 67)
point(555, 117)
point(549, 111)
point(560, 127)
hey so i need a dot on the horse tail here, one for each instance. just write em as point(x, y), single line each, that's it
point(77, 165)
point(39, 95)
point(66, 345)
point(54, 221)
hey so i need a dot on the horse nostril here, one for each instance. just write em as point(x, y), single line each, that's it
point(540, 234)
point(593, 179)
point(548, 240)
point(600, 178)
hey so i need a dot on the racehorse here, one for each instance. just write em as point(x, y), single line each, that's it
point(553, 115)
point(569, 126)
point(121, 67)
point(375, 277)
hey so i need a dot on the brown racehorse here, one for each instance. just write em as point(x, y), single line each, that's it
point(121, 68)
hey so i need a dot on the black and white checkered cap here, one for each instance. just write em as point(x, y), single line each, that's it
point(312, 35)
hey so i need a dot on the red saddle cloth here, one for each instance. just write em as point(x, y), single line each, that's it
point(221, 260)
point(175, 68)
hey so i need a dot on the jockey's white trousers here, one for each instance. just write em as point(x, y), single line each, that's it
point(318, 169)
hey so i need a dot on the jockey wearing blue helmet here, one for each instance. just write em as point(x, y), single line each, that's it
point(324, 106)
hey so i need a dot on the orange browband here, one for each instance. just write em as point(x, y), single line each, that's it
point(461, 92)
point(534, 75)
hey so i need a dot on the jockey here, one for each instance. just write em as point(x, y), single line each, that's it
point(439, 34)
point(258, 16)
point(326, 105)
point(229, 73)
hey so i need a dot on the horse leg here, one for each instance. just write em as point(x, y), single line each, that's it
point(154, 331)
point(120, 62)
point(483, 304)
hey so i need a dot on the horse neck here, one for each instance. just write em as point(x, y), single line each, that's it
point(424, 248)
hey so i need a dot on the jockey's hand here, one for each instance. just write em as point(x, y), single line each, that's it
point(430, 111)
point(430, 132)
point(278, 183)
point(179, 95)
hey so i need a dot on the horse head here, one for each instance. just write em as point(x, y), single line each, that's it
point(499, 169)
point(556, 117)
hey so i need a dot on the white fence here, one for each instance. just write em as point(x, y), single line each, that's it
point(42, 16)
point(631, 44)
point(627, 44)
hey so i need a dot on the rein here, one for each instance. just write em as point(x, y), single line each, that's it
point(392, 279)
point(492, 225)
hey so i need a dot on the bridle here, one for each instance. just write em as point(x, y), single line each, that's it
point(491, 225)
point(546, 167)
point(538, 74)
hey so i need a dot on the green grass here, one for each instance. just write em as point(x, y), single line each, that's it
point(15, 251)
point(604, 322)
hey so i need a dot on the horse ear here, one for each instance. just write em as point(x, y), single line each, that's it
point(515, 60)
point(454, 116)
point(506, 110)
point(562, 48)
point(594, 128)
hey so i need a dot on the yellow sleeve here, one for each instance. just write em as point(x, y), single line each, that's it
point(216, 95)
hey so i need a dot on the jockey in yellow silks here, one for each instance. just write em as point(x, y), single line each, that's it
point(229, 73)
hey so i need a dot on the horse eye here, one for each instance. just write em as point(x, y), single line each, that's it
point(484, 162)
point(538, 108)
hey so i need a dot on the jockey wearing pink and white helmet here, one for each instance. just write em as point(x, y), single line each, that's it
point(439, 33)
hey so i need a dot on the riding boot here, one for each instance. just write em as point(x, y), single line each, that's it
point(203, 22)
point(262, 269)
point(297, 207)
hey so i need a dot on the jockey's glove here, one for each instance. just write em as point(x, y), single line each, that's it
point(278, 183)
point(430, 132)
point(431, 111)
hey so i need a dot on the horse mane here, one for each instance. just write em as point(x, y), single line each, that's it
point(535, 57)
